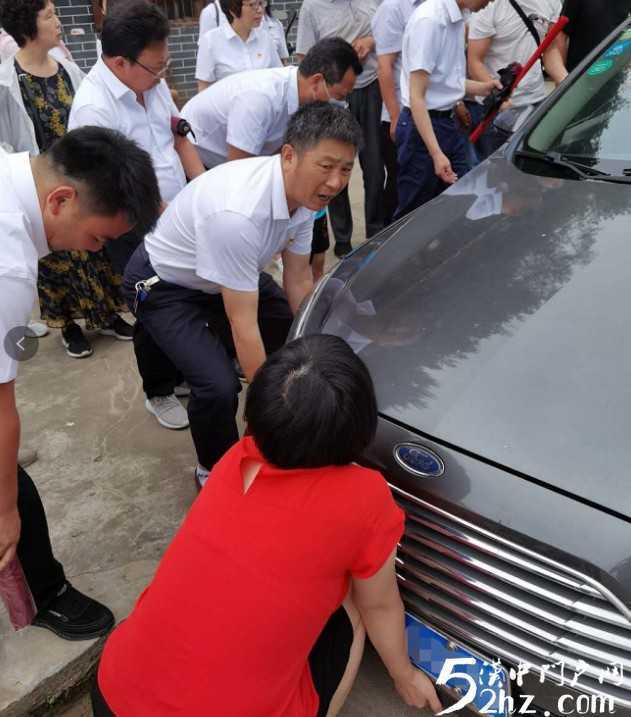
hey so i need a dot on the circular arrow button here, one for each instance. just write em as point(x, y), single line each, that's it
point(21, 343)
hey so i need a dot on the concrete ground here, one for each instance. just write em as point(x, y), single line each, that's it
point(116, 487)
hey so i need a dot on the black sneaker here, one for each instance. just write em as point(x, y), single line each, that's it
point(74, 616)
point(342, 249)
point(75, 342)
point(120, 329)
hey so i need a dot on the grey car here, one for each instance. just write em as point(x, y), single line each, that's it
point(496, 323)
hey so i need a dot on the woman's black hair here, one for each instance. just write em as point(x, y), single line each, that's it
point(19, 18)
point(312, 404)
point(231, 9)
point(130, 27)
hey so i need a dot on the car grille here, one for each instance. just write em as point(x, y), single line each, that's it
point(509, 602)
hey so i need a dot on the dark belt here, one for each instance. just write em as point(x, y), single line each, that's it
point(445, 114)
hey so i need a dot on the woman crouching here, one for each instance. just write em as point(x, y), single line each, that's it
point(259, 604)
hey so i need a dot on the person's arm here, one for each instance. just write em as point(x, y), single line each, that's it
point(476, 54)
point(236, 153)
point(555, 57)
point(307, 35)
point(297, 278)
point(189, 157)
point(379, 603)
point(9, 443)
point(387, 84)
point(363, 46)
point(202, 85)
point(242, 312)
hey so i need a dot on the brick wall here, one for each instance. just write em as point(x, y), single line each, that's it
point(77, 15)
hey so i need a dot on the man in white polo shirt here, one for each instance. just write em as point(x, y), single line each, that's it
point(197, 282)
point(211, 16)
point(125, 91)
point(388, 26)
point(430, 149)
point(91, 186)
point(246, 115)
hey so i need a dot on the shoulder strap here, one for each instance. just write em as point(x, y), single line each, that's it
point(526, 20)
point(216, 4)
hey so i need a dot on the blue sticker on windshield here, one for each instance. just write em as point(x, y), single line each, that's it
point(618, 48)
point(600, 67)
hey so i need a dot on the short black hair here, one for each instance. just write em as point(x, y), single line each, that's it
point(316, 121)
point(116, 172)
point(332, 58)
point(231, 9)
point(19, 18)
point(312, 404)
point(131, 27)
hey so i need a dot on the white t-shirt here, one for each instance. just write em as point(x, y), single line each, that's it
point(23, 244)
point(249, 110)
point(277, 31)
point(513, 42)
point(434, 41)
point(388, 26)
point(103, 100)
point(209, 16)
point(226, 226)
point(222, 52)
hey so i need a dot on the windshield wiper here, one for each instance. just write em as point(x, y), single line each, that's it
point(582, 171)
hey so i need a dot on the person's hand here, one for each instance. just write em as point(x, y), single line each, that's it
point(393, 128)
point(506, 105)
point(443, 170)
point(363, 46)
point(489, 86)
point(417, 690)
point(9, 536)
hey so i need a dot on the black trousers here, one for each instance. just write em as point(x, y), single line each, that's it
point(193, 331)
point(365, 105)
point(44, 574)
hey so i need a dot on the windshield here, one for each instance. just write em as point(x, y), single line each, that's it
point(591, 121)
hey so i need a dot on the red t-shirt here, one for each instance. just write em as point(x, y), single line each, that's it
point(244, 590)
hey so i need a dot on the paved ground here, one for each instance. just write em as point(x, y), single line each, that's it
point(116, 487)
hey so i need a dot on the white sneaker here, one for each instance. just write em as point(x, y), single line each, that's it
point(40, 330)
point(168, 410)
point(201, 476)
point(182, 390)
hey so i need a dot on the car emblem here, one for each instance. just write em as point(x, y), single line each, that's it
point(418, 460)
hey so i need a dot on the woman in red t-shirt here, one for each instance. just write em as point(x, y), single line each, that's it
point(259, 604)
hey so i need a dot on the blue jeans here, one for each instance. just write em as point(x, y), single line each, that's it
point(417, 182)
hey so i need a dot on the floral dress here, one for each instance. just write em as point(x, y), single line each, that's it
point(71, 284)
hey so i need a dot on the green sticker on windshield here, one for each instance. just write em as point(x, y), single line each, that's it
point(600, 67)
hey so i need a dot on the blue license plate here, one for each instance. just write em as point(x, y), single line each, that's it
point(475, 682)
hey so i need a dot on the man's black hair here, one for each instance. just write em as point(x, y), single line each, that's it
point(131, 27)
point(312, 404)
point(332, 57)
point(116, 173)
point(316, 121)
point(19, 18)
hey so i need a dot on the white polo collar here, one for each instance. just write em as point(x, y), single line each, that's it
point(454, 12)
point(114, 85)
point(24, 186)
point(230, 33)
point(293, 99)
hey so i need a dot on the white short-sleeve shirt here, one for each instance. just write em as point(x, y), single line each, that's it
point(23, 244)
point(226, 226)
point(105, 101)
point(222, 52)
point(511, 41)
point(249, 110)
point(388, 26)
point(277, 31)
point(211, 17)
point(434, 41)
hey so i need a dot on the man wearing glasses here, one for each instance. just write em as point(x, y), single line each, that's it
point(125, 91)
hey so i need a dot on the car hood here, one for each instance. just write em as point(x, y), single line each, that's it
point(497, 319)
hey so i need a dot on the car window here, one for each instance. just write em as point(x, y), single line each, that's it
point(591, 121)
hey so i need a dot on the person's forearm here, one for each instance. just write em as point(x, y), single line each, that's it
point(389, 92)
point(297, 291)
point(250, 349)
point(424, 126)
point(385, 626)
point(478, 71)
point(202, 85)
point(9, 443)
point(189, 157)
point(477, 88)
point(554, 63)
